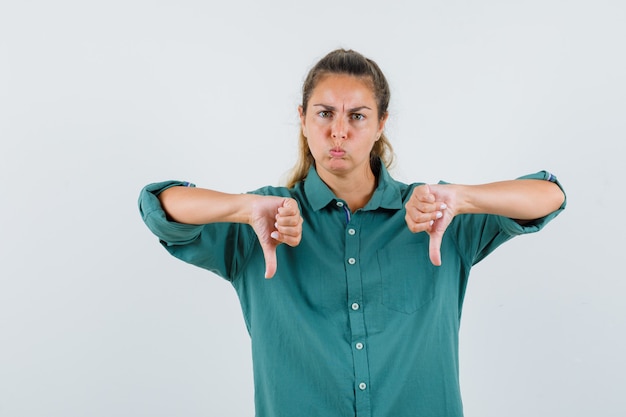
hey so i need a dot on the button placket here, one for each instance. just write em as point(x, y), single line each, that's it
point(356, 308)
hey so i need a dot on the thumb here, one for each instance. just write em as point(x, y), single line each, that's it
point(434, 247)
point(269, 253)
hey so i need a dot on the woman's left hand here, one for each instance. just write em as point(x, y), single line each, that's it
point(430, 210)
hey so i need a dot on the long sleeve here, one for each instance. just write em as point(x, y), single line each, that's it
point(169, 232)
point(477, 235)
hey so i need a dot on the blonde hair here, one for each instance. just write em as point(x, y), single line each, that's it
point(342, 61)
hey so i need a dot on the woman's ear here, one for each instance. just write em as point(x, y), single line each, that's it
point(302, 120)
point(381, 123)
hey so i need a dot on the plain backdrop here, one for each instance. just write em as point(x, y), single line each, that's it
point(99, 98)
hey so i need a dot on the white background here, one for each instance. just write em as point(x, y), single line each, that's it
point(98, 99)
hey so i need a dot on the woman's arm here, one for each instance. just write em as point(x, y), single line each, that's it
point(518, 199)
point(275, 220)
point(192, 205)
point(431, 208)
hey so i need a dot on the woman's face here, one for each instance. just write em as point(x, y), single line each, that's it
point(341, 126)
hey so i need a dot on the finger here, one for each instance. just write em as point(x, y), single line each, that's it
point(291, 240)
point(269, 253)
point(287, 232)
point(289, 208)
point(423, 193)
point(417, 227)
point(288, 221)
point(419, 222)
point(291, 235)
point(432, 212)
point(434, 248)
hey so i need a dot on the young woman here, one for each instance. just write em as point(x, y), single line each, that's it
point(362, 315)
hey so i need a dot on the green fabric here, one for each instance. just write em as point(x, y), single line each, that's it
point(356, 321)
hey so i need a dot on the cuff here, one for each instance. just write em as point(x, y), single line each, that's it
point(153, 215)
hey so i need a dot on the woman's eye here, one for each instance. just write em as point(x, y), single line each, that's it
point(357, 116)
point(324, 114)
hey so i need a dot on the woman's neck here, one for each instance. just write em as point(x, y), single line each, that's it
point(356, 192)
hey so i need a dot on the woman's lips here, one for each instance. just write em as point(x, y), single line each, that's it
point(337, 152)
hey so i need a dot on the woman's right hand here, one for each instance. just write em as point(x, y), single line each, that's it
point(275, 220)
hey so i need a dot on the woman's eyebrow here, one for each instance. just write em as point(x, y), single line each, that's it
point(332, 108)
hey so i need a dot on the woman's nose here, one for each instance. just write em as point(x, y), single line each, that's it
point(338, 130)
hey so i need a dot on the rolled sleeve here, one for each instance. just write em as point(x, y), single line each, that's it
point(477, 235)
point(513, 228)
point(153, 215)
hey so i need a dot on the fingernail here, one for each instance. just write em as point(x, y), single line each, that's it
point(439, 214)
point(432, 222)
point(443, 206)
point(274, 235)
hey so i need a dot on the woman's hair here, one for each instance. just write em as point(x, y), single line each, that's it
point(349, 62)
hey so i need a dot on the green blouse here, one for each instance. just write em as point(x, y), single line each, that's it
point(356, 321)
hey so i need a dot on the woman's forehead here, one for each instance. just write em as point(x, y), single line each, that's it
point(343, 86)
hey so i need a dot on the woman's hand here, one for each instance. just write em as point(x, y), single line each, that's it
point(275, 220)
point(430, 210)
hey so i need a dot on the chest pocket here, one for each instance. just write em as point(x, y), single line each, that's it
point(407, 277)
